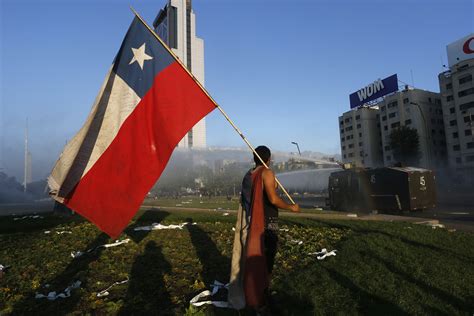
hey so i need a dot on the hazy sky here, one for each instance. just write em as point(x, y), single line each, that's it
point(282, 70)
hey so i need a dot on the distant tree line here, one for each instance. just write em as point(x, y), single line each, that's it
point(11, 191)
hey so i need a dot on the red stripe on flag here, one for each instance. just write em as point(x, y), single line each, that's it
point(112, 191)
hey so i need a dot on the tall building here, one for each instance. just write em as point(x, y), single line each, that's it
point(360, 137)
point(176, 25)
point(457, 97)
point(365, 132)
point(420, 110)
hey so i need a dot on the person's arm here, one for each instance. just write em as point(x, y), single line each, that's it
point(269, 185)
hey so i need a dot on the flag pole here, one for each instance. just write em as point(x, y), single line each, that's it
point(209, 96)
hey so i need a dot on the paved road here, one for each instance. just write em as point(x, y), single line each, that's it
point(455, 216)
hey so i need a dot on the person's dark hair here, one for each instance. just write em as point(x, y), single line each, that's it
point(264, 153)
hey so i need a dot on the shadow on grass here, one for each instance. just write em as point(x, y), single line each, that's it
point(368, 303)
point(77, 269)
point(440, 294)
point(214, 265)
point(408, 241)
point(9, 226)
point(147, 294)
point(148, 217)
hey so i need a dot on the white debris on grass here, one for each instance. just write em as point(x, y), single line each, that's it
point(76, 254)
point(351, 215)
point(323, 253)
point(434, 224)
point(225, 214)
point(52, 296)
point(106, 291)
point(59, 232)
point(299, 242)
point(284, 229)
point(215, 288)
point(157, 226)
point(4, 268)
point(27, 216)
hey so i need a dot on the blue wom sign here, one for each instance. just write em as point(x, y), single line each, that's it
point(373, 91)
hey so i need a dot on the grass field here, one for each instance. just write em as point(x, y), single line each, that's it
point(380, 267)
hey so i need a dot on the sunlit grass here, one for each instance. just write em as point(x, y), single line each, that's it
point(380, 267)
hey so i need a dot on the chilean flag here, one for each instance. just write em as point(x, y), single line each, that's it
point(146, 105)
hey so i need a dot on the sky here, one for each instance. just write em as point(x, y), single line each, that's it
point(282, 70)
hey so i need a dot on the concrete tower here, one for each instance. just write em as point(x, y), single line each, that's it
point(176, 25)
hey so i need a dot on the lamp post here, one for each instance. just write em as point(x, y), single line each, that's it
point(428, 133)
point(295, 143)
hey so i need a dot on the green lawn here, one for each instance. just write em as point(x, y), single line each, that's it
point(380, 267)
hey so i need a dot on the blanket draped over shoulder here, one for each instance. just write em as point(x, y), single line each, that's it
point(249, 276)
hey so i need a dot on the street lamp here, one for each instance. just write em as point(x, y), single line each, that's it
point(295, 143)
point(428, 133)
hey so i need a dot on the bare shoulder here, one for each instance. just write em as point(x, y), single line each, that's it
point(268, 173)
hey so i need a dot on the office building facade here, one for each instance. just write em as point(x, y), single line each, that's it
point(365, 132)
point(176, 25)
point(360, 137)
point(457, 97)
point(420, 110)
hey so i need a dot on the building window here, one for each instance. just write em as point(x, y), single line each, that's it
point(342, 131)
point(347, 120)
point(465, 79)
point(455, 135)
point(438, 101)
point(433, 121)
point(406, 100)
point(361, 153)
point(382, 108)
point(453, 123)
point(429, 100)
point(395, 125)
point(440, 122)
point(360, 134)
point(392, 115)
point(467, 132)
point(466, 92)
point(466, 106)
point(458, 160)
point(360, 144)
point(407, 122)
point(456, 147)
point(449, 86)
point(449, 98)
point(359, 126)
point(470, 145)
point(342, 139)
point(467, 119)
point(384, 118)
point(385, 128)
point(351, 146)
point(351, 155)
point(349, 128)
point(392, 104)
point(386, 147)
point(341, 123)
point(389, 158)
point(469, 158)
point(344, 156)
point(357, 117)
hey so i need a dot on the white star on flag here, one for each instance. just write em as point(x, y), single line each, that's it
point(140, 56)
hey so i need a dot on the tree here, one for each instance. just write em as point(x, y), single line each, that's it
point(405, 144)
